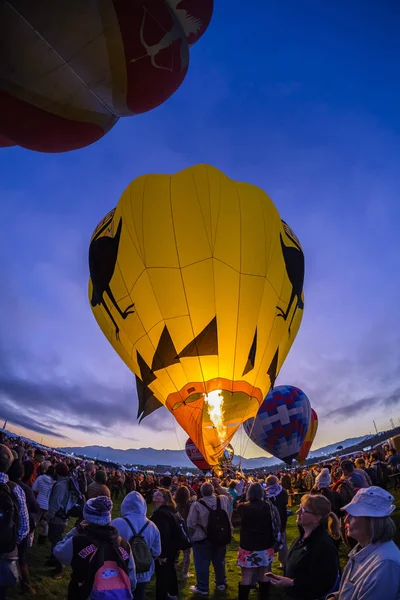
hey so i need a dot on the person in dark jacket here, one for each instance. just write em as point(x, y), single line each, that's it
point(322, 486)
point(15, 474)
point(256, 550)
point(278, 496)
point(82, 543)
point(32, 466)
point(56, 515)
point(165, 518)
point(183, 504)
point(312, 568)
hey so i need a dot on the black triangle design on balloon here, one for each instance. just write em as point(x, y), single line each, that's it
point(146, 374)
point(204, 344)
point(273, 368)
point(143, 393)
point(165, 354)
point(151, 405)
point(147, 401)
point(252, 356)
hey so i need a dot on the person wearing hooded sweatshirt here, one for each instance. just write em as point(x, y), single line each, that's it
point(83, 541)
point(133, 511)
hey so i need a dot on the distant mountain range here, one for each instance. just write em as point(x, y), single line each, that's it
point(178, 458)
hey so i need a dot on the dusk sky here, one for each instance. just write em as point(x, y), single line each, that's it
point(299, 98)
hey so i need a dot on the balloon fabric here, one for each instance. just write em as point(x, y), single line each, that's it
point(71, 69)
point(196, 457)
point(311, 433)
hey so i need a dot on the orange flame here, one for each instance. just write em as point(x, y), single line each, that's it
point(215, 403)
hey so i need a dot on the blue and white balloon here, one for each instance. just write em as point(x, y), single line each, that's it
point(281, 423)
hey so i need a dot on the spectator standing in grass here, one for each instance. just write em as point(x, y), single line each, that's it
point(373, 569)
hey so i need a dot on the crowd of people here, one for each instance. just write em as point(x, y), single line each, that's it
point(343, 502)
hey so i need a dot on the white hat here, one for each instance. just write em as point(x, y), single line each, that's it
point(323, 480)
point(371, 502)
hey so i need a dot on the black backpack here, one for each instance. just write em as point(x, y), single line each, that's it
point(141, 552)
point(219, 530)
point(9, 517)
point(182, 538)
point(276, 525)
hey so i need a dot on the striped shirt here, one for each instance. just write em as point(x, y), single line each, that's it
point(42, 487)
point(23, 528)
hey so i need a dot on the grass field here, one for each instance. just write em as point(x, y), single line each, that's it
point(48, 589)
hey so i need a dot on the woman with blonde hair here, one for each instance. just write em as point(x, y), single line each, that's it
point(312, 567)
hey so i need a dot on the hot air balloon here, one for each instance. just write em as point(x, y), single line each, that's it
point(198, 460)
point(196, 457)
point(71, 69)
point(311, 433)
point(282, 422)
point(197, 284)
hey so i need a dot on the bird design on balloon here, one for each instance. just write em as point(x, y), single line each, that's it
point(294, 263)
point(103, 254)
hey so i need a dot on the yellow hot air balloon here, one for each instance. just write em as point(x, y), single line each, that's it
point(198, 285)
point(308, 442)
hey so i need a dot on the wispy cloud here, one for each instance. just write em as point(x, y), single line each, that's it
point(58, 374)
point(371, 403)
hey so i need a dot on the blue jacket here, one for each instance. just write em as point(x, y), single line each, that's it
point(134, 508)
point(372, 573)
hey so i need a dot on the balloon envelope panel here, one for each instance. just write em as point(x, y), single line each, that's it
point(195, 456)
point(71, 69)
point(308, 442)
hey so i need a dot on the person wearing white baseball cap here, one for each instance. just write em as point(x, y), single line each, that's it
point(373, 570)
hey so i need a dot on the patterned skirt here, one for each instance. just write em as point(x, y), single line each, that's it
point(252, 559)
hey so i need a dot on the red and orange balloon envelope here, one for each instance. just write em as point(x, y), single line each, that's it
point(199, 461)
point(311, 433)
point(196, 456)
point(70, 70)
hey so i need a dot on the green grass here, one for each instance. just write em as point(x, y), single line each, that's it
point(48, 589)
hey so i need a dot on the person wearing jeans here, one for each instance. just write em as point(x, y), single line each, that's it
point(204, 551)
